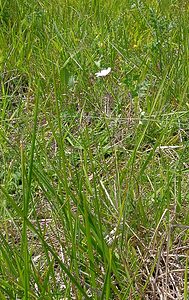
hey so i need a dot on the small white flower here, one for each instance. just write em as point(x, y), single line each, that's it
point(103, 72)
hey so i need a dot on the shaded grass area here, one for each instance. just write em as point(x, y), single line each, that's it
point(94, 171)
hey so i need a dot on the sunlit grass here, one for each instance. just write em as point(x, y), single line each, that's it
point(94, 171)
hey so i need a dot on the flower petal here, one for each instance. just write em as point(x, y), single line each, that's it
point(103, 73)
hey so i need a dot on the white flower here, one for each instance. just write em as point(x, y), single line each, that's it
point(103, 72)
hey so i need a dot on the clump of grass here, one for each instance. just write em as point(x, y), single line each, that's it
point(94, 171)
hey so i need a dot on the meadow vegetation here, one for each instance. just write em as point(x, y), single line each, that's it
point(94, 172)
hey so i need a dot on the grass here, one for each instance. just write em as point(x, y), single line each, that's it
point(94, 171)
